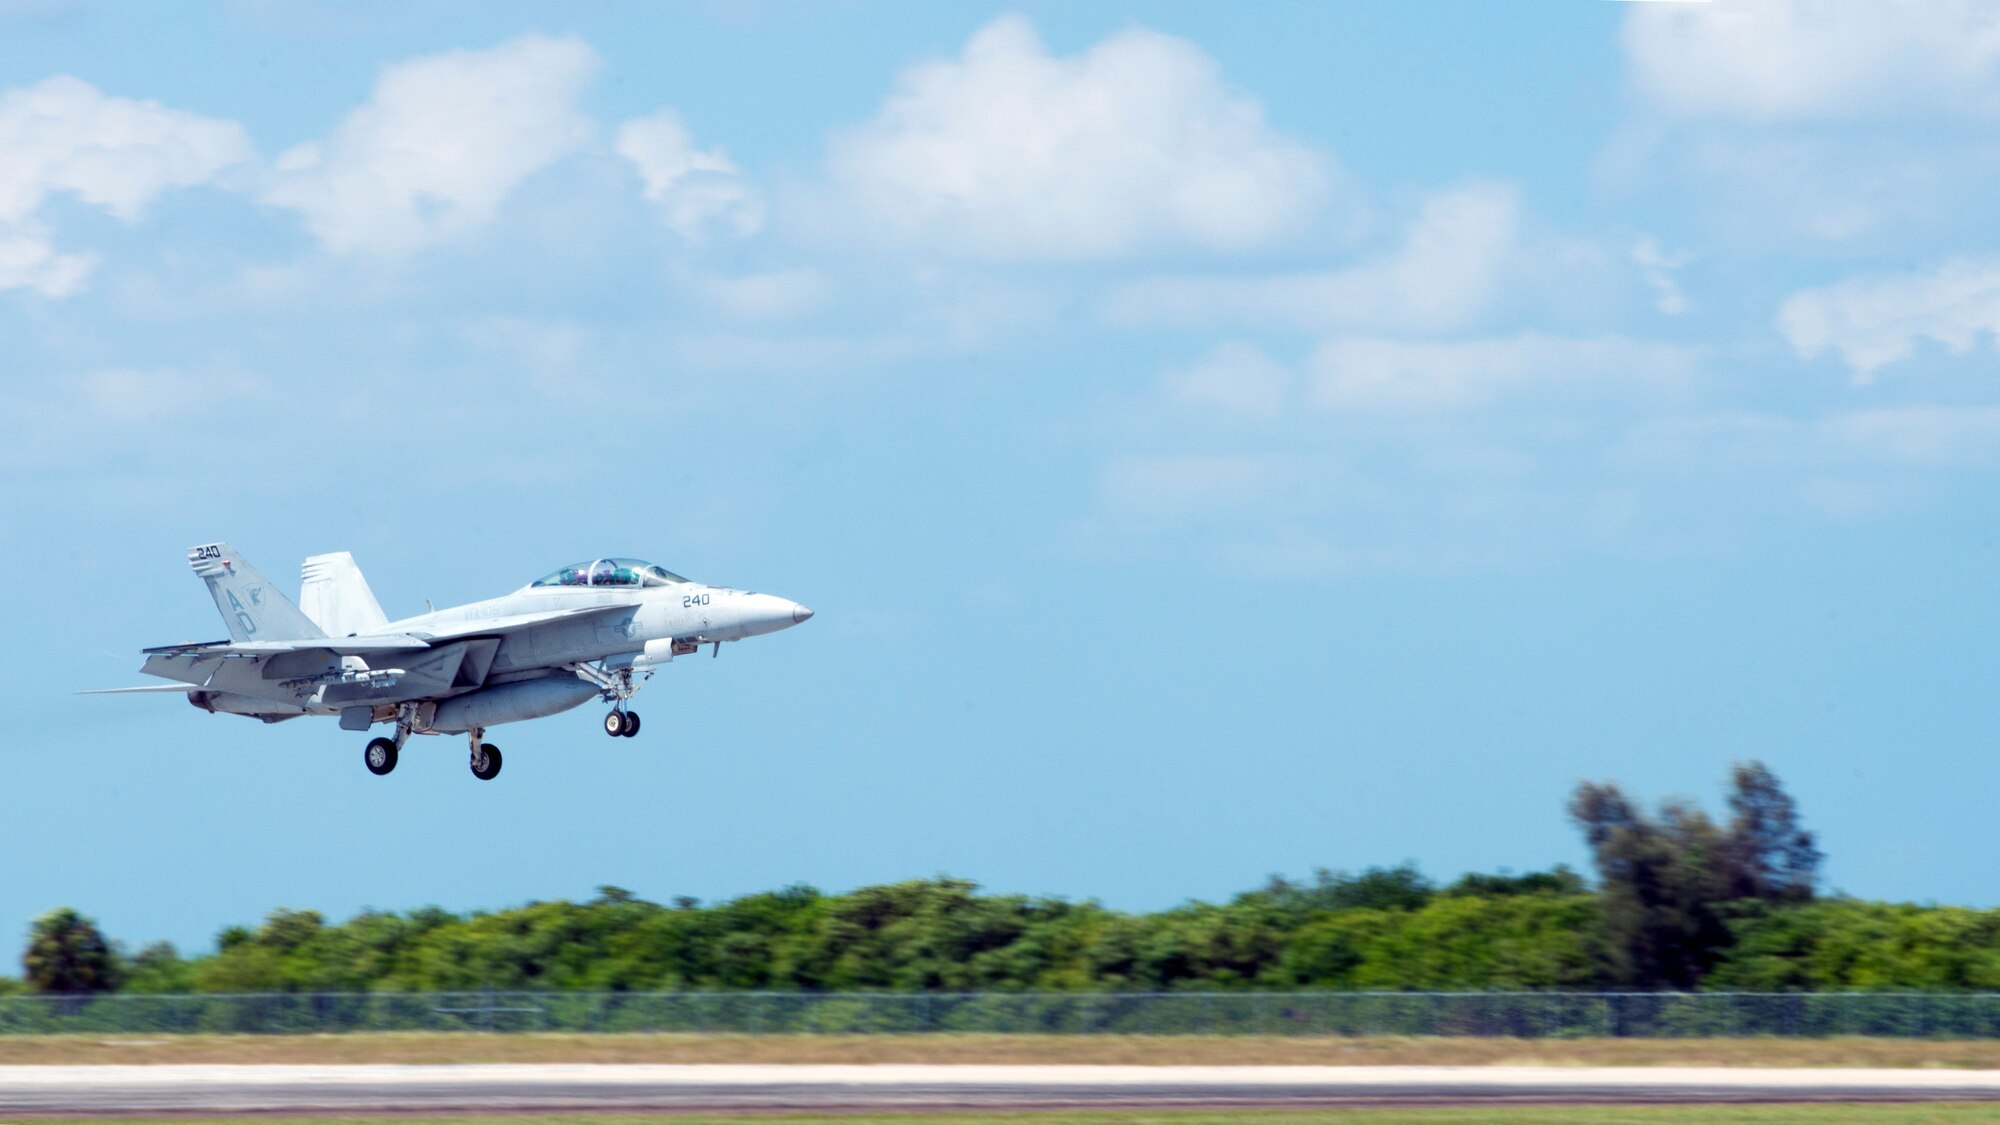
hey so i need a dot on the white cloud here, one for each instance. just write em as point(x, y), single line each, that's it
point(62, 134)
point(65, 135)
point(1177, 487)
point(1376, 374)
point(694, 190)
point(1859, 124)
point(439, 145)
point(128, 395)
point(1787, 60)
point(1921, 436)
point(28, 260)
point(1008, 152)
point(1875, 321)
point(1657, 267)
point(1235, 378)
point(1445, 274)
point(776, 295)
point(1911, 437)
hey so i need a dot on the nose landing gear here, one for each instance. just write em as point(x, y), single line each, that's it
point(616, 687)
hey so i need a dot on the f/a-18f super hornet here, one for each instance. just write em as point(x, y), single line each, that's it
point(595, 629)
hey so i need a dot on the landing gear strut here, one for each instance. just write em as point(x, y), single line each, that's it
point(485, 757)
point(621, 723)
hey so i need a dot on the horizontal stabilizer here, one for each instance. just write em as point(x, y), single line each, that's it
point(149, 689)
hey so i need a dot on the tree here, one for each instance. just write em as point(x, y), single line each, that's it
point(158, 968)
point(1664, 878)
point(1660, 880)
point(1558, 880)
point(1770, 856)
point(1402, 887)
point(68, 955)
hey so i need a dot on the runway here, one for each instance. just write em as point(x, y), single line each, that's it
point(515, 1088)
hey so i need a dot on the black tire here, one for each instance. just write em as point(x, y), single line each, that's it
point(489, 754)
point(380, 756)
point(631, 724)
point(614, 723)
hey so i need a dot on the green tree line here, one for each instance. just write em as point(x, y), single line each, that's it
point(1681, 900)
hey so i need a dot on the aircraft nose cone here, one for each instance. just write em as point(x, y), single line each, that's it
point(800, 614)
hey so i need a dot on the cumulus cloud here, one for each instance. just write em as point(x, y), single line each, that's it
point(1009, 152)
point(1875, 321)
point(695, 190)
point(1789, 60)
point(1445, 273)
point(29, 260)
point(1374, 374)
point(439, 145)
point(1791, 121)
point(65, 135)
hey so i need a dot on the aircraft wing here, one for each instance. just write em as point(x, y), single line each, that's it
point(344, 646)
point(433, 659)
point(146, 690)
point(494, 626)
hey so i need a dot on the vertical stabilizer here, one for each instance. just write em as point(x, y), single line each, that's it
point(337, 598)
point(251, 607)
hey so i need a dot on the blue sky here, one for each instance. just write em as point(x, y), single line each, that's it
point(1215, 443)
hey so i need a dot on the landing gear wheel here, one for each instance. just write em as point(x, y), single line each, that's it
point(614, 723)
point(380, 756)
point(486, 763)
point(631, 726)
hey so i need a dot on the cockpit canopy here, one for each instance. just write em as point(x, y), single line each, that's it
point(612, 572)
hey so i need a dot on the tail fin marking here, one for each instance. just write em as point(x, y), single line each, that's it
point(251, 608)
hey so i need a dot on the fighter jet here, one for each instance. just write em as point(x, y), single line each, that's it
point(597, 629)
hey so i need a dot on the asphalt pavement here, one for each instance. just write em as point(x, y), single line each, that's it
point(572, 1088)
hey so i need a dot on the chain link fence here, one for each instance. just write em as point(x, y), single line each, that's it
point(1532, 1015)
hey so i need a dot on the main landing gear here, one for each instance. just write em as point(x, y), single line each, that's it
point(380, 756)
point(621, 724)
point(485, 759)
